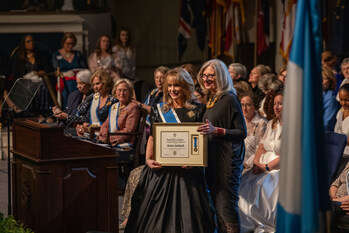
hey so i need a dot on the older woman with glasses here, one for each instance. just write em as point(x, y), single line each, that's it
point(226, 131)
point(123, 117)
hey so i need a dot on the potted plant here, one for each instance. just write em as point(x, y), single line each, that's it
point(9, 224)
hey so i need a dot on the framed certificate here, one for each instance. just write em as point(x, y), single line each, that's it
point(179, 144)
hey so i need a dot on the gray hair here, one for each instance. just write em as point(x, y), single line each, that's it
point(161, 69)
point(223, 80)
point(84, 76)
point(239, 69)
point(262, 68)
point(270, 82)
point(344, 62)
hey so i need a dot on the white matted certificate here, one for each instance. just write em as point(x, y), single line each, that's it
point(179, 144)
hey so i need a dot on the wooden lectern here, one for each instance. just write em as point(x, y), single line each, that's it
point(61, 184)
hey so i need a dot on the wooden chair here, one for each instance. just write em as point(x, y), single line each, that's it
point(135, 153)
point(93, 130)
point(127, 160)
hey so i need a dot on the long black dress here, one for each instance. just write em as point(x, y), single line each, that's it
point(172, 199)
point(225, 160)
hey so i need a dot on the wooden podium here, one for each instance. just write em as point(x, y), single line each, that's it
point(61, 184)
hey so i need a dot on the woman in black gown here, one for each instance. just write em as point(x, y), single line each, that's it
point(172, 199)
point(226, 128)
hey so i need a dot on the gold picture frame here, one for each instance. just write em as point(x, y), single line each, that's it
point(179, 144)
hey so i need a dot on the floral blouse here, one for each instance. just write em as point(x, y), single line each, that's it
point(341, 182)
point(83, 110)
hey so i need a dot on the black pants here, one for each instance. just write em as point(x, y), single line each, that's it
point(339, 220)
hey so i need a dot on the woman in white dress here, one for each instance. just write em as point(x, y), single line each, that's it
point(255, 124)
point(259, 188)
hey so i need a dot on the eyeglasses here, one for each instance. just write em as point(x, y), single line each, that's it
point(121, 90)
point(207, 76)
point(246, 105)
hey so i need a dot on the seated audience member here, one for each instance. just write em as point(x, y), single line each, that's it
point(242, 88)
point(255, 124)
point(155, 96)
point(32, 64)
point(123, 117)
point(94, 110)
point(200, 95)
point(255, 75)
point(329, 60)
point(339, 196)
point(259, 188)
point(75, 98)
point(342, 124)
point(330, 104)
point(268, 83)
point(192, 70)
point(237, 72)
point(68, 60)
point(282, 74)
point(345, 73)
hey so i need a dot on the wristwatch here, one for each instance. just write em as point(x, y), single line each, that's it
point(267, 168)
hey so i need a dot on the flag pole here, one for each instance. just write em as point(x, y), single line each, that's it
point(255, 44)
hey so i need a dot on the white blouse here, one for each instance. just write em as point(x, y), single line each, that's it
point(342, 127)
point(255, 132)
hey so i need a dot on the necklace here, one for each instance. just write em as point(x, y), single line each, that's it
point(211, 103)
point(344, 110)
point(66, 54)
point(29, 55)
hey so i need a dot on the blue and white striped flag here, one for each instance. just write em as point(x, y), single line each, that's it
point(302, 187)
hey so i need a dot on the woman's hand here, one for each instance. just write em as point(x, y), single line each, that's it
point(206, 128)
point(153, 164)
point(58, 113)
point(345, 206)
point(258, 168)
point(80, 130)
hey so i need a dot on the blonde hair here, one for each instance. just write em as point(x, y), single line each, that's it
point(105, 78)
point(129, 86)
point(223, 80)
point(327, 72)
point(184, 79)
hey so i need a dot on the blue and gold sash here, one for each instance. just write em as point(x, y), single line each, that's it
point(114, 127)
point(94, 119)
point(167, 114)
point(113, 117)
